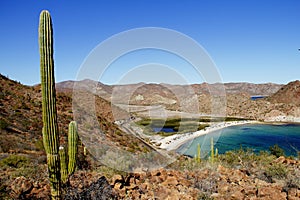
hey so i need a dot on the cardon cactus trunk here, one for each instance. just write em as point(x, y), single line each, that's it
point(72, 147)
point(50, 128)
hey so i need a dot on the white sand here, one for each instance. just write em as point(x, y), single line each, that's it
point(174, 141)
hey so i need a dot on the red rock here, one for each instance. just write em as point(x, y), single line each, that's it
point(250, 190)
point(281, 159)
point(171, 180)
point(215, 196)
point(156, 179)
point(237, 195)
point(294, 194)
point(117, 178)
point(20, 186)
point(162, 193)
point(271, 192)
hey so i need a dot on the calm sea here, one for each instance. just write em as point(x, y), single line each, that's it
point(256, 136)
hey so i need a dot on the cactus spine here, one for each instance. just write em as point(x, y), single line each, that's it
point(72, 147)
point(50, 128)
point(212, 155)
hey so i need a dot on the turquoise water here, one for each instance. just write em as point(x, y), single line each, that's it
point(256, 136)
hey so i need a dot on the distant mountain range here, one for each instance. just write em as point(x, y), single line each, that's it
point(252, 89)
point(281, 102)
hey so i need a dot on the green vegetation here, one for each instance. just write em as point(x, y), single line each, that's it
point(277, 170)
point(276, 151)
point(14, 161)
point(179, 125)
point(3, 124)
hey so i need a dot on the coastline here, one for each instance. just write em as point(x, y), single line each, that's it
point(173, 142)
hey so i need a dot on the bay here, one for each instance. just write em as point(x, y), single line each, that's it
point(258, 137)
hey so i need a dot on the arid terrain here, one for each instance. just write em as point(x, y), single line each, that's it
point(280, 102)
point(239, 174)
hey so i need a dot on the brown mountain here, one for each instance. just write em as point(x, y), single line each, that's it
point(252, 89)
point(288, 94)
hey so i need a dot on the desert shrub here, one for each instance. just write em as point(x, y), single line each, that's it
point(245, 158)
point(238, 157)
point(3, 124)
point(15, 161)
point(31, 171)
point(39, 145)
point(276, 151)
point(204, 196)
point(278, 171)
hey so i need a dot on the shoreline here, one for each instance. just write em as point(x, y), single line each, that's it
point(173, 142)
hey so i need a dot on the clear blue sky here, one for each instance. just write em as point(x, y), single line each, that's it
point(249, 40)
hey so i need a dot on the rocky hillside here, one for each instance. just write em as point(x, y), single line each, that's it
point(264, 89)
point(21, 118)
point(288, 94)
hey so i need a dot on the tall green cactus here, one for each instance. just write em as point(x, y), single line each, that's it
point(72, 147)
point(50, 128)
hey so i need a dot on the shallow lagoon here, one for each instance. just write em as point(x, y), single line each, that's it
point(255, 136)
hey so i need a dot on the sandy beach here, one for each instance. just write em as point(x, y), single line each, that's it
point(173, 142)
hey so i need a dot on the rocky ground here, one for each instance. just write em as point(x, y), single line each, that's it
point(190, 180)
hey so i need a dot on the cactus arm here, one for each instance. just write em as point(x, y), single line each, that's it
point(63, 165)
point(72, 147)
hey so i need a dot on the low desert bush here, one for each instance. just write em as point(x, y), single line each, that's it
point(277, 170)
point(14, 161)
point(276, 151)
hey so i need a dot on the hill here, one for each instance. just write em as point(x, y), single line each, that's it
point(21, 118)
point(288, 94)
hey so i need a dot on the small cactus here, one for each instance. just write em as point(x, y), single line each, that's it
point(216, 153)
point(212, 155)
point(198, 153)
